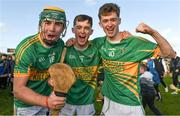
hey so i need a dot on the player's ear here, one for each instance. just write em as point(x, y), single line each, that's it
point(91, 32)
point(119, 21)
point(73, 30)
point(100, 24)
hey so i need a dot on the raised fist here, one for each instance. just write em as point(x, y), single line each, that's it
point(143, 28)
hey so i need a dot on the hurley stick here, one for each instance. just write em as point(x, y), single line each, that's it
point(63, 78)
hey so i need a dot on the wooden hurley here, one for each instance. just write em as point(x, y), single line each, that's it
point(62, 77)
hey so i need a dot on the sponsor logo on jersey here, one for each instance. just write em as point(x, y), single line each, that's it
point(51, 57)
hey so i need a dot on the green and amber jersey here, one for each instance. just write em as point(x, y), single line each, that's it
point(85, 66)
point(32, 61)
point(121, 64)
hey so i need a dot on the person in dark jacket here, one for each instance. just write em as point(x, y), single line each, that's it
point(151, 68)
point(160, 69)
point(175, 69)
point(11, 71)
point(3, 71)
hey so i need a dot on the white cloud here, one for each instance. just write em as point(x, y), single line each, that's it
point(91, 2)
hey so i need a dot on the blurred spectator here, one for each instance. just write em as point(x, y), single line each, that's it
point(160, 69)
point(11, 63)
point(3, 71)
point(151, 68)
point(175, 69)
point(147, 89)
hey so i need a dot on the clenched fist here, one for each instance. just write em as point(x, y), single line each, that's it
point(143, 28)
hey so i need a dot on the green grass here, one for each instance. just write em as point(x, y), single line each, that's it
point(6, 102)
point(170, 105)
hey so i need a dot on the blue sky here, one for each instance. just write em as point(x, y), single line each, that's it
point(19, 18)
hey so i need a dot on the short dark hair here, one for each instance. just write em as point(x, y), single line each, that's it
point(4, 55)
point(83, 17)
point(108, 8)
point(144, 66)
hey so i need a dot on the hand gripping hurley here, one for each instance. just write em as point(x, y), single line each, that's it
point(62, 78)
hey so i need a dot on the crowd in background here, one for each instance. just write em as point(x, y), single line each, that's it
point(6, 71)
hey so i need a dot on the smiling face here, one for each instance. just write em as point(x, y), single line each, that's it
point(82, 31)
point(50, 31)
point(110, 24)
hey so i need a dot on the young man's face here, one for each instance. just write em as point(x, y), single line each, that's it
point(82, 31)
point(110, 24)
point(142, 70)
point(3, 57)
point(50, 30)
point(13, 57)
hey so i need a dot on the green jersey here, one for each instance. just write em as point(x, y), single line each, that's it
point(85, 66)
point(121, 63)
point(32, 61)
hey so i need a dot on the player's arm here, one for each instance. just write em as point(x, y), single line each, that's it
point(165, 47)
point(27, 95)
point(22, 91)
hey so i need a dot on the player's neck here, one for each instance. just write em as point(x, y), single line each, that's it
point(115, 39)
point(81, 47)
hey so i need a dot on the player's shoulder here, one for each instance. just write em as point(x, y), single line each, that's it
point(26, 44)
point(28, 41)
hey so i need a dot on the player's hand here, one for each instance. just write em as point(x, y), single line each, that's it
point(54, 101)
point(125, 34)
point(70, 42)
point(145, 29)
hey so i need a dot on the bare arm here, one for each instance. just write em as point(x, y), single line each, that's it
point(27, 95)
point(165, 47)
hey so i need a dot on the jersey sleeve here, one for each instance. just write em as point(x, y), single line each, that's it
point(145, 48)
point(98, 42)
point(22, 63)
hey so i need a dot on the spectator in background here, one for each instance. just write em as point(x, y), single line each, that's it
point(175, 69)
point(160, 69)
point(3, 71)
point(11, 66)
point(151, 68)
point(147, 89)
point(9, 61)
